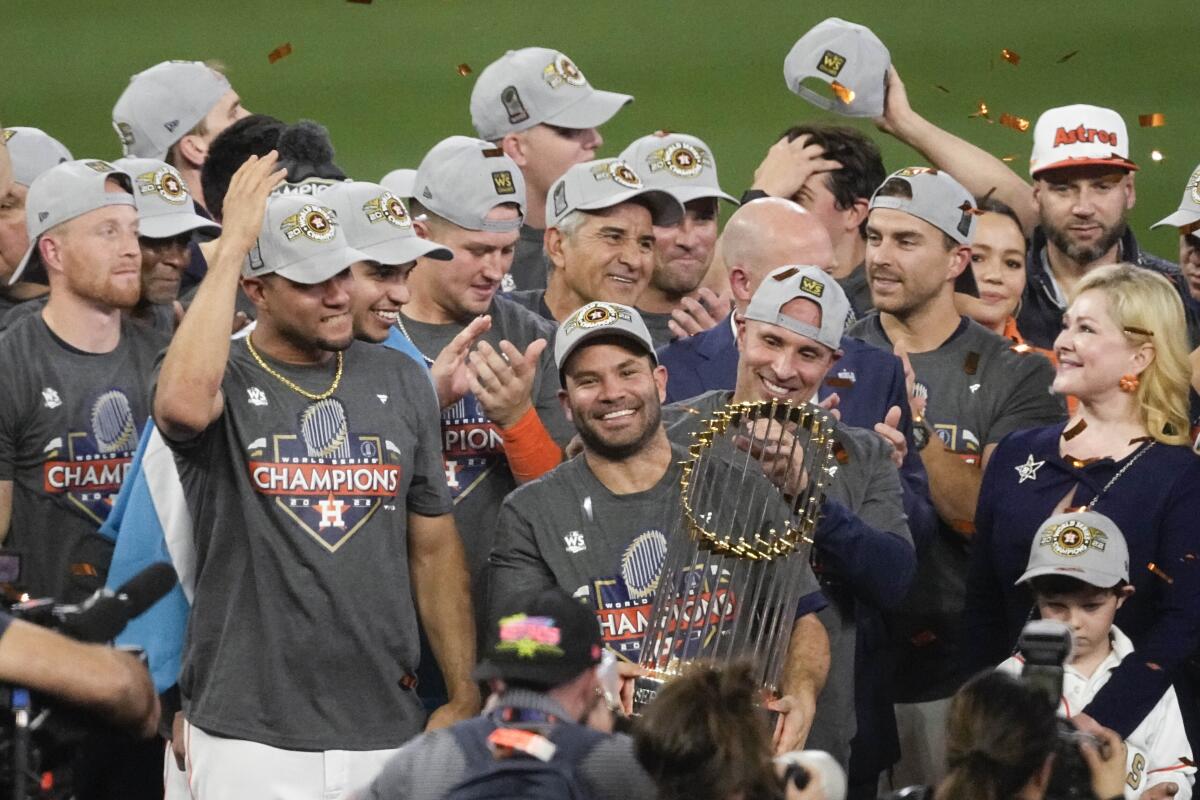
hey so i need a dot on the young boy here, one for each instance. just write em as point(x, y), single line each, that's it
point(1079, 572)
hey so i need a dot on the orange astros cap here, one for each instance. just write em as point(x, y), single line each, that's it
point(1077, 135)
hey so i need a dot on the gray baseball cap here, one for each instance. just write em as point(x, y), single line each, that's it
point(33, 151)
point(161, 104)
point(1189, 206)
point(463, 179)
point(677, 163)
point(607, 182)
point(600, 318)
point(806, 282)
point(836, 51)
point(377, 223)
point(536, 85)
point(400, 182)
point(164, 205)
point(302, 240)
point(1080, 544)
point(936, 198)
point(61, 193)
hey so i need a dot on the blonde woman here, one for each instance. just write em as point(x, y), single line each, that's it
point(1123, 353)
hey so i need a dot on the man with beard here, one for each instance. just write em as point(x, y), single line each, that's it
point(683, 253)
point(597, 525)
point(1076, 216)
point(600, 239)
point(537, 106)
point(73, 399)
point(311, 469)
point(789, 338)
point(971, 388)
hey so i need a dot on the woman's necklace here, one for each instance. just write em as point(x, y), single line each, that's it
point(1090, 506)
point(337, 377)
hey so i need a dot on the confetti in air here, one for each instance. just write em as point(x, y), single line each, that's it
point(1156, 155)
point(1155, 120)
point(464, 69)
point(843, 93)
point(982, 113)
point(279, 52)
point(1010, 56)
point(1016, 123)
point(1154, 666)
point(1067, 57)
point(1008, 159)
point(943, 88)
point(1154, 568)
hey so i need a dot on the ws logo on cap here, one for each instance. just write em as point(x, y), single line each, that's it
point(1082, 135)
point(166, 183)
point(389, 207)
point(314, 222)
point(503, 182)
point(831, 63)
point(812, 286)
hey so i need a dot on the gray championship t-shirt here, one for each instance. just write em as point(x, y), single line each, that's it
point(529, 268)
point(472, 450)
point(69, 426)
point(978, 388)
point(533, 300)
point(660, 331)
point(863, 479)
point(568, 529)
point(303, 632)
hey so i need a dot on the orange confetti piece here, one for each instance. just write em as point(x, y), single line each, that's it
point(280, 52)
point(1010, 56)
point(1068, 56)
point(1008, 159)
point(464, 69)
point(1189, 556)
point(1021, 348)
point(1153, 666)
point(1154, 569)
point(1155, 120)
point(943, 88)
point(1016, 123)
point(1187, 762)
point(982, 113)
point(843, 93)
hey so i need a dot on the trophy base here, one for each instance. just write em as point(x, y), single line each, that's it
point(645, 689)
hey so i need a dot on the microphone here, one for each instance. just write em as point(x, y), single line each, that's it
point(106, 613)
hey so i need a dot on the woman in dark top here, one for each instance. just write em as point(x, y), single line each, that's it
point(1123, 353)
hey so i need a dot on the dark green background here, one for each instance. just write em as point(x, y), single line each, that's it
point(383, 76)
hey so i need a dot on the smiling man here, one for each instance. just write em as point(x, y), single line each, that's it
point(76, 379)
point(600, 239)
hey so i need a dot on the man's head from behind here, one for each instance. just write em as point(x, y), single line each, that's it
point(377, 224)
point(173, 110)
point(600, 234)
point(790, 335)
point(254, 135)
point(767, 234)
point(1082, 179)
point(537, 104)
point(839, 199)
point(469, 196)
point(166, 226)
point(298, 275)
point(549, 642)
point(683, 166)
point(31, 153)
point(613, 386)
point(918, 239)
point(84, 226)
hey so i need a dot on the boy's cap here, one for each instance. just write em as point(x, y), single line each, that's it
point(546, 639)
point(1080, 544)
point(1189, 206)
point(33, 151)
point(804, 282)
point(463, 179)
point(936, 198)
point(302, 240)
point(400, 182)
point(61, 193)
point(601, 319)
point(377, 223)
point(677, 163)
point(165, 208)
point(607, 182)
point(161, 104)
point(1072, 136)
point(536, 85)
point(850, 55)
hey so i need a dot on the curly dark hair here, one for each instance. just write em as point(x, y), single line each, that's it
point(862, 166)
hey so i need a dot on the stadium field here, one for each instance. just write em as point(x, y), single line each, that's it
point(384, 76)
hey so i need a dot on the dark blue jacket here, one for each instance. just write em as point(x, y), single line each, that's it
point(1156, 505)
point(867, 380)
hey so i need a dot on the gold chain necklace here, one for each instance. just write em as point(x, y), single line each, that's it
point(337, 377)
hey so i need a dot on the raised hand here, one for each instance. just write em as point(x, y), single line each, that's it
point(502, 381)
point(451, 378)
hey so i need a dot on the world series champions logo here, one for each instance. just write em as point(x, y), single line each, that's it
point(329, 481)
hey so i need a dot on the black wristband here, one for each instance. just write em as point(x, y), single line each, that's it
point(750, 195)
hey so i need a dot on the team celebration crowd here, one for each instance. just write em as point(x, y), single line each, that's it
point(414, 447)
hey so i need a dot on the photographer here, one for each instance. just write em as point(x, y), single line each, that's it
point(1001, 738)
point(111, 683)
